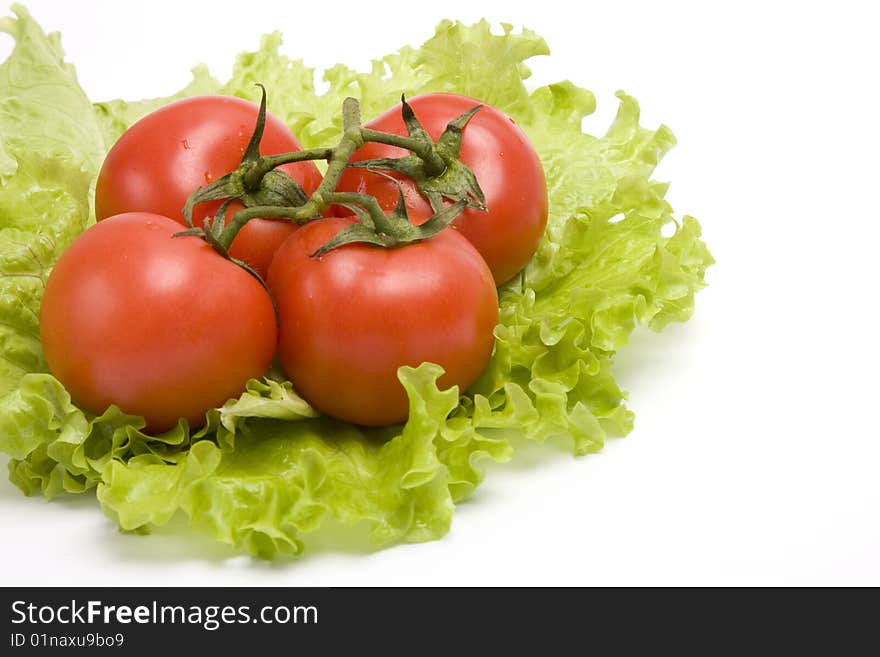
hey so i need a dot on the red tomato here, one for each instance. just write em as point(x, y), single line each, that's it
point(161, 326)
point(258, 240)
point(163, 158)
point(352, 317)
point(504, 162)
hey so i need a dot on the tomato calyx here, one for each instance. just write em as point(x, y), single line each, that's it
point(254, 183)
point(386, 231)
point(212, 232)
point(435, 167)
point(269, 193)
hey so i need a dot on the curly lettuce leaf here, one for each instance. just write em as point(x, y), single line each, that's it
point(265, 471)
point(283, 479)
point(55, 446)
point(50, 151)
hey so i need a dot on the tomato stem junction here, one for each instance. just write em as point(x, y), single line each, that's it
point(268, 192)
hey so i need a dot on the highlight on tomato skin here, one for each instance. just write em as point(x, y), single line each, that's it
point(164, 157)
point(161, 326)
point(501, 156)
point(351, 318)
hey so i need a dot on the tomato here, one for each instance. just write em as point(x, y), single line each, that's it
point(504, 162)
point(161, 326)
point(350, 318)
point(164, 157)
point(258, 240)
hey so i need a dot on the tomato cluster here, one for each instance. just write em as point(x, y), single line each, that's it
point(167, 325)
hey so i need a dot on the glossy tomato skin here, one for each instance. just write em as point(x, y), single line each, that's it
point(168, 154)
point(502, 158)
point(161, 326)
point(350, 318)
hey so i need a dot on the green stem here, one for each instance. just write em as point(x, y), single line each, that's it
point(434, 164)
point(239, 219)
point(351, 114)
point(369, 203)
point(397, 228)
point(336, 158)
point(268, 162)
point(350, 142)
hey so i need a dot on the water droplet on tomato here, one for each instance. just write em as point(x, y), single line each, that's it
point(209, 177)
point(185, 144)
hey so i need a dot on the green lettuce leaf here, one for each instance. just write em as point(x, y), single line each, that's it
point(50, 151)
point(265, 471)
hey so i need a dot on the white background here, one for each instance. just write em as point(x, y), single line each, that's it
point(755, 456)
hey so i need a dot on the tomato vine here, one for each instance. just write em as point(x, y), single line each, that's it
point(267, 192)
